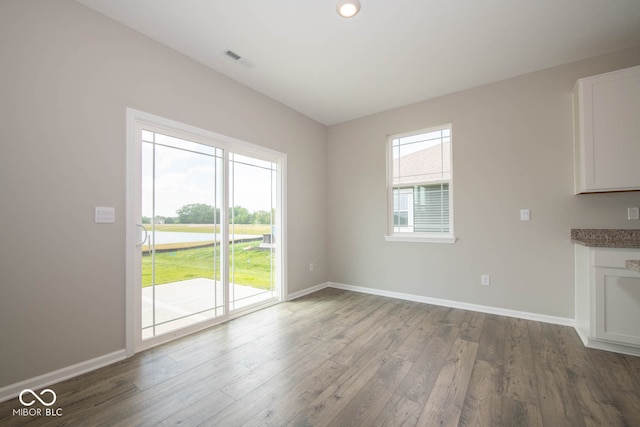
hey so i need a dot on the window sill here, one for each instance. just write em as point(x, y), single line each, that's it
point(417, 238)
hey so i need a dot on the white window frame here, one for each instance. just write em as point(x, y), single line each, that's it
point(432, 237)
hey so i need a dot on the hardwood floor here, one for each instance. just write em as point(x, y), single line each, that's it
point(338, 358)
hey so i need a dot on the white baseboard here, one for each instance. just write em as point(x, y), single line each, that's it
point(606, 345)
point(36, 383)
point(307, 291)
point(611, 346)
point(461, 305)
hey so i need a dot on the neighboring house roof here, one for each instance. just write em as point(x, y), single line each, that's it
point(410, 169)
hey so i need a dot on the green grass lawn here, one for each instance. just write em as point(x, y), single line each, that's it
point(251, 266)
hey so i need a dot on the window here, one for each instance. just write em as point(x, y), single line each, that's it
point(420, 186)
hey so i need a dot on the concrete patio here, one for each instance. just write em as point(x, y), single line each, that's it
point(175, 302)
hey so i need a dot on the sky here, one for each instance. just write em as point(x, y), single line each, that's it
point(184, 177)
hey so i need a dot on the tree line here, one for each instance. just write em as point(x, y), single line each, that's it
point(200, 213)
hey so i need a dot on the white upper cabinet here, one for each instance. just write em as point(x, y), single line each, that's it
point(606, 114)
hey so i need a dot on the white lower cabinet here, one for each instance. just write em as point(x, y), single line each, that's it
point(608, 299)
point(618, 305)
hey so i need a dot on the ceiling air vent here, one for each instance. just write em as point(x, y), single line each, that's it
point(231, 54)
point(238, 59)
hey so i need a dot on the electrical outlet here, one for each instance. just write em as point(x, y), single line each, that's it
point(632, 213)
point(311, 267)
point(485, 280)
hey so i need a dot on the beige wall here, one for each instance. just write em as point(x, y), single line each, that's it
point(67, 75)
point(512, 149)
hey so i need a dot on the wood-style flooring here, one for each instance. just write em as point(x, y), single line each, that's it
point(338, 358)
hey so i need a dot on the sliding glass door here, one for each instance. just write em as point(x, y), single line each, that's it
point(208, 229)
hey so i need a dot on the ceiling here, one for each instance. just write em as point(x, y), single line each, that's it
point(393, 53)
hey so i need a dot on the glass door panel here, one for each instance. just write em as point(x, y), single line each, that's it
point(252, 230)
point(181, 258)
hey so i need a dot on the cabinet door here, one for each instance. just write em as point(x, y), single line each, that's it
point(608, 131)
point(618, 305)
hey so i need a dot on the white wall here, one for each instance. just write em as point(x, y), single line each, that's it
point(512, 149)
point(67, 75)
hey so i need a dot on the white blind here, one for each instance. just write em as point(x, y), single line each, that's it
point(431, 208)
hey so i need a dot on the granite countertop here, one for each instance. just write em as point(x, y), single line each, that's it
point(606, 238)
point(633, 264)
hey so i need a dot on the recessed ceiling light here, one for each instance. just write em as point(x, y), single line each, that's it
point(348, 8)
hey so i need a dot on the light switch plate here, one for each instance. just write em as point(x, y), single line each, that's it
point(525, 215)
point(105, 215)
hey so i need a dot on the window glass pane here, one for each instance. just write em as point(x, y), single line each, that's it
point(147, 136)
point(401, 219)
point(421, 178)
point(403, 202)
point(170, 141)
point(403, 209)
point(431, 208)
point(252, 252)
point(250, 161)
point(421, 159)
point(181, 200)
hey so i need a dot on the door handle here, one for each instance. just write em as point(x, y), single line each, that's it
point(146, 235)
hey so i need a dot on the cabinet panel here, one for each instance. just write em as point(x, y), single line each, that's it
point(607, 132)
point(616, 132)
point(618, 305)
point(613, 257)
